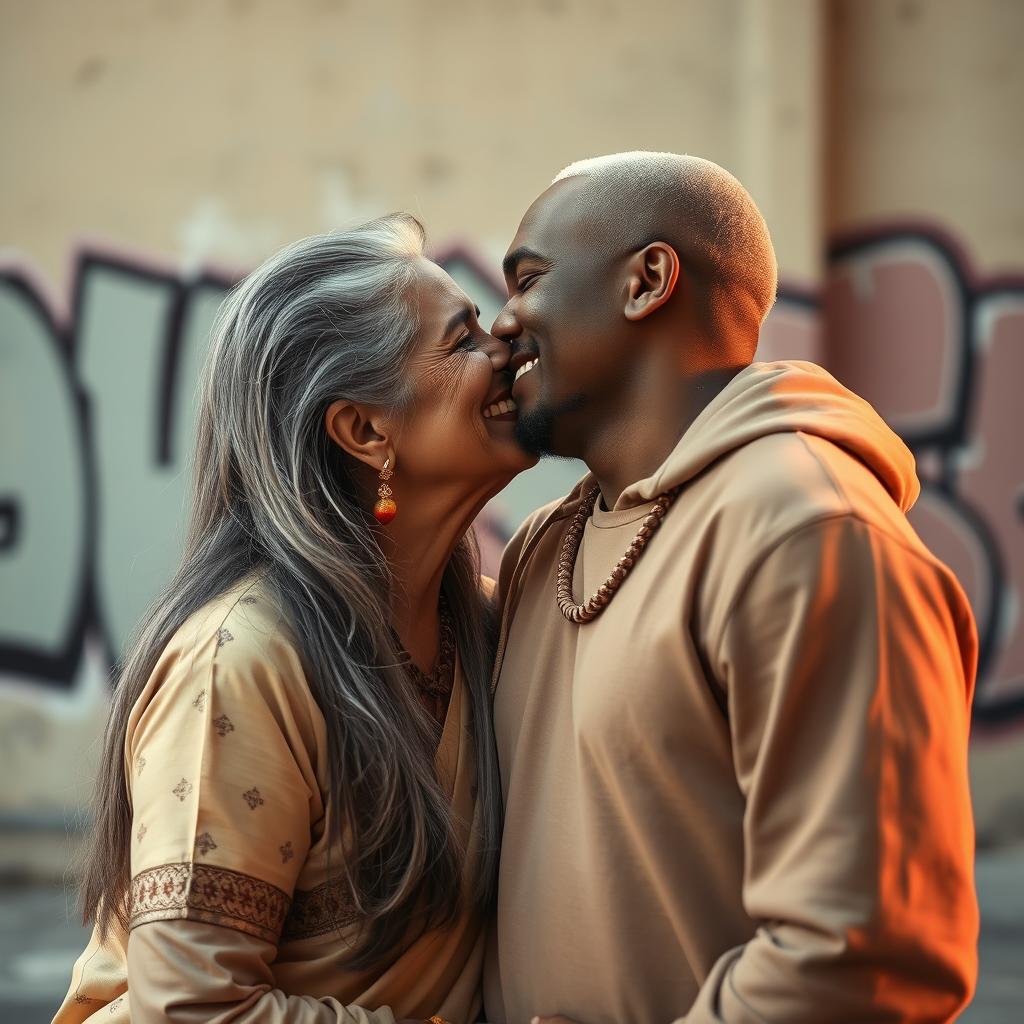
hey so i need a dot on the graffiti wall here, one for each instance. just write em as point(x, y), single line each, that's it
point(96, 413)
point(940, 354)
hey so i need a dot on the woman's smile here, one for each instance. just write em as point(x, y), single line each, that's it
point(501, 409)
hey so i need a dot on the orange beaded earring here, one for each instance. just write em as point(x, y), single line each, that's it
point(385, 510)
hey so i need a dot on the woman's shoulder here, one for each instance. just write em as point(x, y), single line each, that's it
point(241, 641)
point(245, 621)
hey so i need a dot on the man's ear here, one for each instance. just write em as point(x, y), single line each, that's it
point(361, 430)
point(653, 273)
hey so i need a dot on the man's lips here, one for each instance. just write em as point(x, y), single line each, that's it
point(526, 367)
point(524, 370)
point(520, 358)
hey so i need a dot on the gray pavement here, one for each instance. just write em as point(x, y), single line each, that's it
point(1000, 995)
point(39, 941)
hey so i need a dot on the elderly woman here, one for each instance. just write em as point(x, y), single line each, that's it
point(297, 814)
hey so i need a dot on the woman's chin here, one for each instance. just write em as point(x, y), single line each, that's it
point(504, 446)
point(527, 460)
point(511, 454)
point(508, 461)
point(508, 471)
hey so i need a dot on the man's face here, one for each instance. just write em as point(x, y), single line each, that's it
point(564, 321)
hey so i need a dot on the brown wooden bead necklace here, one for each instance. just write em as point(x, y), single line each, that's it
point(580, 613)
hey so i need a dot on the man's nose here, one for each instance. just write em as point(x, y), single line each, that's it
point(506, 326)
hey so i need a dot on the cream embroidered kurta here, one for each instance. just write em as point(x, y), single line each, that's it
point(232, 906)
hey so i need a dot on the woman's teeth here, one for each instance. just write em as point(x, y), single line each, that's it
point(499, 408)
point(525, 368)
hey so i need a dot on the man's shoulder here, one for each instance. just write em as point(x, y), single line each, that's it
point(524, 534)
point(793, 478)
point(785, 466)
point(535, 520)
point(789, 485)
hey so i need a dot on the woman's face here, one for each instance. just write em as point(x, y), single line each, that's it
point(460, 427)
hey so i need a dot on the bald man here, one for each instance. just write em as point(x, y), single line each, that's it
point(733, 687)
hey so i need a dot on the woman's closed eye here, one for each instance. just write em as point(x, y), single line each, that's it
point(470, 337)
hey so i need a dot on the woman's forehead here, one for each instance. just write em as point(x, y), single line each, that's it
point(439, 299)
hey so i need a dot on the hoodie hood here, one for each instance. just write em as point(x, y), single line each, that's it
point(781, 397)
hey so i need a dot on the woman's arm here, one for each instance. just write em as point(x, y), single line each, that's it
point(224, 800)
point(188, 972)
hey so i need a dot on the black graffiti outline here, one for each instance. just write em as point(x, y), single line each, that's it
point(57, 669)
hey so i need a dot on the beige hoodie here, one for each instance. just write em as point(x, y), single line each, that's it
point(740, 794)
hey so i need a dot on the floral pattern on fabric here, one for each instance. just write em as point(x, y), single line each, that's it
point(223, 725)
point(204, 844)
point(253, 799)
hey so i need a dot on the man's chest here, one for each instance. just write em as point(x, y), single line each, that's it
point(628, 686)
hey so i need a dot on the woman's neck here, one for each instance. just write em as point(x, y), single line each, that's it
point(418, 545)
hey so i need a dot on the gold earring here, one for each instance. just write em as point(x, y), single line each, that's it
point(386, 509)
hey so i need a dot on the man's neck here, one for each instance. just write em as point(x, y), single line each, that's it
point(636, 438)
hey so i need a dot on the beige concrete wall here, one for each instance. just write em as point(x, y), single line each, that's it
point(214, 129)
point(924, 119)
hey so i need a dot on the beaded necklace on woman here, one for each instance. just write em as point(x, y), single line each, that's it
point(434, 688)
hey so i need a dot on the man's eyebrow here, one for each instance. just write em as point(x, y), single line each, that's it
point(461, 318)
point(514, 258)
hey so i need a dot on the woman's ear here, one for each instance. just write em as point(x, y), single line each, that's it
point(653, 275)
point(361, 430)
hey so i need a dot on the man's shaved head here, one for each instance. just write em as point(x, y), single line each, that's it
point(637, 283)
point(696, 206)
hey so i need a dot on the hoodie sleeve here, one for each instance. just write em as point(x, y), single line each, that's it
point(848, 661)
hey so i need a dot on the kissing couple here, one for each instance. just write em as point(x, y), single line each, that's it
point(698, 755)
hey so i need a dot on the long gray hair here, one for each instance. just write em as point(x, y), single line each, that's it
point(326, 318)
